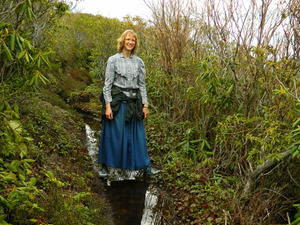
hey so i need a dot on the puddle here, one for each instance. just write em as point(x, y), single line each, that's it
point(132, 200)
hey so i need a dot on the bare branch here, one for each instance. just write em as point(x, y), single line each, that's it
point(250, 184)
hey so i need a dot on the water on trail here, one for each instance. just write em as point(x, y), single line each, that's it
point(133, 201)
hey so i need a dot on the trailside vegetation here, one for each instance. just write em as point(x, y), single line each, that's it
point(45, 173)
point(225, 108)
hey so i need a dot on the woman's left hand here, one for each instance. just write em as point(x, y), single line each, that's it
point(145, 111)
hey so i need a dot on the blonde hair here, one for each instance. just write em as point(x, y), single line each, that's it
point(121, 41)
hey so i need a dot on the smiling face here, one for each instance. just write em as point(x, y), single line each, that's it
point(129, 42)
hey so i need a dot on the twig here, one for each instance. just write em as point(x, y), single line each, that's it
point(288, 218)
point(249, 186)
point(295, 96)
point(292, 178)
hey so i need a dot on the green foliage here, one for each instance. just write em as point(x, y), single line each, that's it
point(61, 165)
point(51, 179)
point(43, 128)
point(196, 150)
point(241, 141)
point(85, 41)
point(26, 184)
point(31, 128)
point(91, 91)
point(82, 208)
point(297, 215)
point(21, 65)
point(20, 57)
point(295, 147)
point(223, 114)
point(19, 54)
point(17, 185)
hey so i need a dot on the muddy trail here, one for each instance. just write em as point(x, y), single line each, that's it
point(133, 201)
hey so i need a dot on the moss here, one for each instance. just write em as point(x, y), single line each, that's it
point(62, 166)
point(82, 208)
point(45, 121)
point(54, 99)
point(74, 90)
point(90, 107)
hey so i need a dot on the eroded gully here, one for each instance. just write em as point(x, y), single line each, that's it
point(133, 201)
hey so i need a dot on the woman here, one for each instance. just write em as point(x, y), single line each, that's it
point(123, 140)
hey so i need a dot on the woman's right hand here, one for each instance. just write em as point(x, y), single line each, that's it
point(108, 112)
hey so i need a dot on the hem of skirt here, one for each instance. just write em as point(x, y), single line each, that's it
point(119, 174)
point(122, 168)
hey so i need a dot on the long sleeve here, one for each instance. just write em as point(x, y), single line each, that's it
point(142, 83)
point(109, 79)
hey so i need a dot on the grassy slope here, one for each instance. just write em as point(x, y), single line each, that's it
point(62, 165)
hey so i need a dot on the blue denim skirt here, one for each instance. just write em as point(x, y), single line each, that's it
point(123, 144)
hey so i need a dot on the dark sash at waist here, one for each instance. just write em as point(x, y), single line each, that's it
point(126, 89)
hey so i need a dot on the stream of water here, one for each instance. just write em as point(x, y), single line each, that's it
point(132, 200)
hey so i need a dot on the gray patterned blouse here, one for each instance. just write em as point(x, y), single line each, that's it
point(125, 73)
